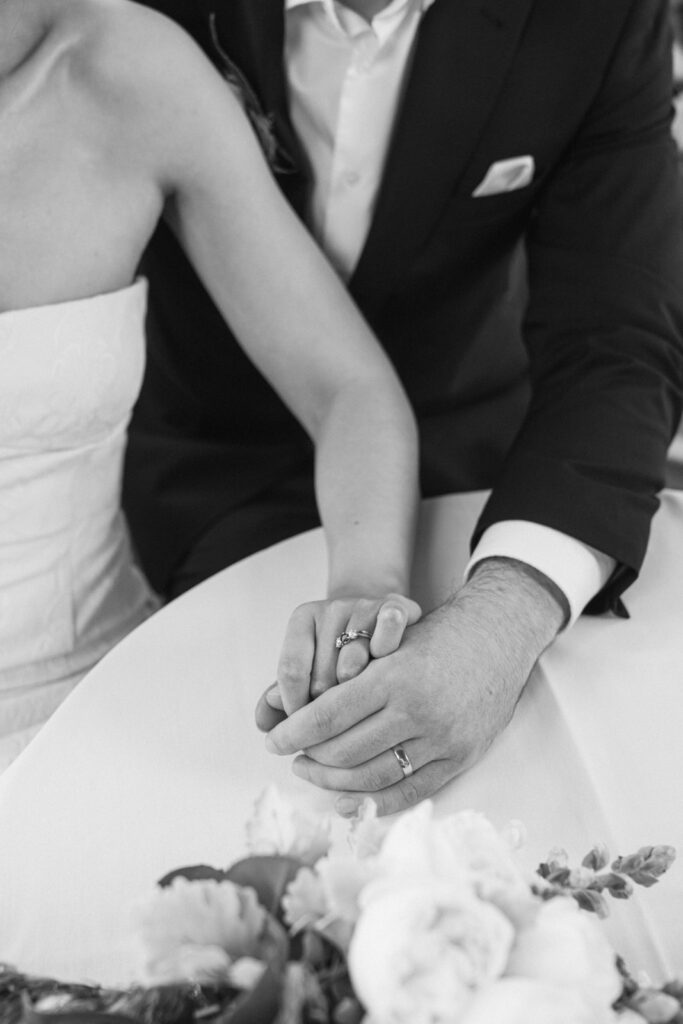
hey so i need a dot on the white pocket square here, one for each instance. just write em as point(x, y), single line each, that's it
point(506, 176)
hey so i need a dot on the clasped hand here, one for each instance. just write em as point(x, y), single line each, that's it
point(442, 687)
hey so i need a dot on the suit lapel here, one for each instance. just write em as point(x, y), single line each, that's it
point(463, 52)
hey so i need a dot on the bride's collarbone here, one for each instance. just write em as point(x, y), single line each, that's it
point(46, 47)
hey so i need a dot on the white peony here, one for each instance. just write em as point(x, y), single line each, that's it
point(192, 930)
point(304, 903)
point(528, 1001)
point(278, 827)
point(464, 845)
point(566, 947)
point(422, 950)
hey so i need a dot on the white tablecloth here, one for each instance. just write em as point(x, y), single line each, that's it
point(154, 762)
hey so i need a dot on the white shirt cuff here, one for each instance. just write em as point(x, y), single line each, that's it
point(578, 570)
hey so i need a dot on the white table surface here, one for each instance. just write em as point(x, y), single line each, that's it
point(154, 762)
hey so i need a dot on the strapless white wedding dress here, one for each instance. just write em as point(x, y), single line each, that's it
point(69, 588)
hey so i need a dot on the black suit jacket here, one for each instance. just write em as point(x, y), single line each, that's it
point(564, 403)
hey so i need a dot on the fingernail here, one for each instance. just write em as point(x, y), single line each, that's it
point(346, 806)
point(273, 698)
point(394, 615)
point(299, 768)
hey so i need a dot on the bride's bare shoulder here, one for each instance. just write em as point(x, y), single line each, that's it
point(124, 46)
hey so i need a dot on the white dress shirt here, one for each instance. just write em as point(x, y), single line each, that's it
point(345, 78)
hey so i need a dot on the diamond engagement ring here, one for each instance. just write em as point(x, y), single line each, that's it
point(404, 761)
point(350, 635)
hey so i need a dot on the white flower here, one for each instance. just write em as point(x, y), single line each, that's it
point(193, 930)
point(462, 845)
point(565, 947)
point(277, 827)
point(245, 972)
point(304, 903)
point(207, 965)
point(421, 950)
point(344, 881)
point(527, 1001)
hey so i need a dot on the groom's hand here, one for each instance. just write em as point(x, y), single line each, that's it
point(311, 662)
point(443, 696)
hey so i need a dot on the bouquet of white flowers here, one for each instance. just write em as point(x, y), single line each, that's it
point(416, 921)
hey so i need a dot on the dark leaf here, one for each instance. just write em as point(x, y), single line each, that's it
point(596, 859)
point(675, 989)
point(195, 873)
point(560, 876)
point(269, 876)
point(590, 900)
point(616, 885)
point(650, 861)
point(31, 1016)
point(260, 1005)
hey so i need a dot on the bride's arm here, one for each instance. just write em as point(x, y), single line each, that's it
point(295, 320)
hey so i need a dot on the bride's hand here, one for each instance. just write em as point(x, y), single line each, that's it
point(311, 662)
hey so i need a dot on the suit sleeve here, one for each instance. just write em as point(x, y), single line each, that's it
point(604, 324)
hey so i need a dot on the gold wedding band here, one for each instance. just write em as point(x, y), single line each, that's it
point(350, 635)
point(404, 762)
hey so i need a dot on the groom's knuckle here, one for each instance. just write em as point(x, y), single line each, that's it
point(322, 717)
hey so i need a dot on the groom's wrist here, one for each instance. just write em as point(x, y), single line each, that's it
point(527, 592)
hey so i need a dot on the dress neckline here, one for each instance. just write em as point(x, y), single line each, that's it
point(138, 285)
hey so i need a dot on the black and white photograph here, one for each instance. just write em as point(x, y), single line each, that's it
point(341, 512)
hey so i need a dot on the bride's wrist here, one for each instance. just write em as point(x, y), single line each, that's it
point(368, 585)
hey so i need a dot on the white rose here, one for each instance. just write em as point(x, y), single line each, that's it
point(278, 827)
point(192, 928)
point(464, 844)
point(421, 950)
point(527, 1001)
point(565, 946)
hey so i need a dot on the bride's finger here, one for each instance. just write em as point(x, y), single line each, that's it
point(296, 659)
point(394, 615)
point(268, 711)
point(324, 669)
point(355, 655)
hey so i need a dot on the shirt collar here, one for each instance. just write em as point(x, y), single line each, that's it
point(424, 5)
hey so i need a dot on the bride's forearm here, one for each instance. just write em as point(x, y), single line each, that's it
point(367, 488)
